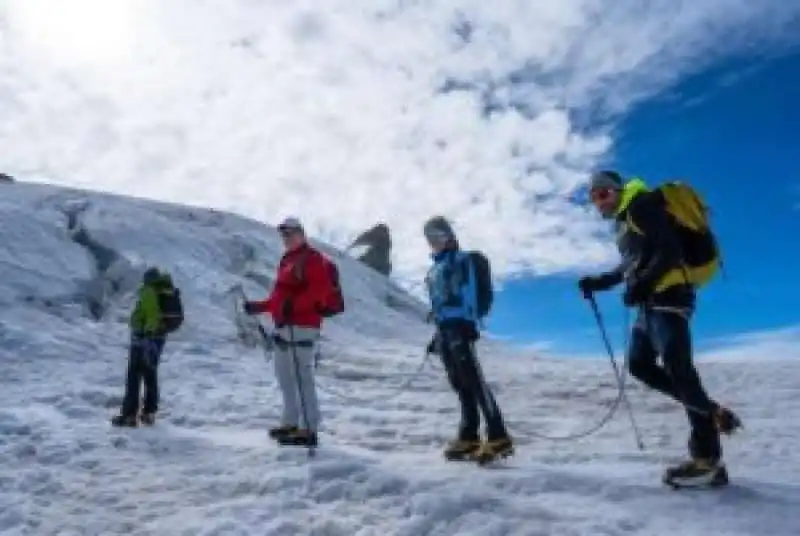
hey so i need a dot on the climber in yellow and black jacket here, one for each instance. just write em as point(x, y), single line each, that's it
point(649, 245)
point(658, 281)
point(148, 335)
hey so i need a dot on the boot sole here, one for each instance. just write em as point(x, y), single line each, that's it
point(125, 425)
point(484, 459)
point(719, 480)
point(278, 435)
point(463, 457)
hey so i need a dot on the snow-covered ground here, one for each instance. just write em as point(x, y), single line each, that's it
point(207, 467)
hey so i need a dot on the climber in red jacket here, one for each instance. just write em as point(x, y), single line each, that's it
point(303, 295)
point(301, 286)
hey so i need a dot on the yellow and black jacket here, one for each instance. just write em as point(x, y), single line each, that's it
point(650, 245)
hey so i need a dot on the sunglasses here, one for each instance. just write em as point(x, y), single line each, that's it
point(436, 238)
point(288, 231)
point(600, 194)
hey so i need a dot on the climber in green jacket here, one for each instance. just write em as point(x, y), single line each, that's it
point(157, 313)
point(146, 316)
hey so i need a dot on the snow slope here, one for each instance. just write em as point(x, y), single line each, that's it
point(207, 466)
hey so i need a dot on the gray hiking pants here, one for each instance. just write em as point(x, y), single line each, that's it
point(294, 368)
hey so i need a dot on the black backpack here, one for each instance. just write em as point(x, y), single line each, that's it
point(169, 301)
point(483, 282)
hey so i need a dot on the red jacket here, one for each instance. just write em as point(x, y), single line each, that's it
point(302, 278)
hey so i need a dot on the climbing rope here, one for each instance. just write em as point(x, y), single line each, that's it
point(396, 390)
point(246, 327)
point(269, 348)
point(621, 391)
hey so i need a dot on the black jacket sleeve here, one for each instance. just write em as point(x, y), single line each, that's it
point(606, 280)
point(663, 246)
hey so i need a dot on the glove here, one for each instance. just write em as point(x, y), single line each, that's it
point(250, 308)
point(286, 308)
point(635, 294)
point(588, 285)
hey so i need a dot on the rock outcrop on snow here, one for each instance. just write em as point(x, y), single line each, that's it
point(6, 178)
point(114, 274)
point(378, 254)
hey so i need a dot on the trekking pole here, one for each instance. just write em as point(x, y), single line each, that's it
point(266, 339)
point(268, 342)
point(293, 346)
point(599, 319)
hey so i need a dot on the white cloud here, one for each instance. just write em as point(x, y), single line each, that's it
point(348, 113)
point(782, 343)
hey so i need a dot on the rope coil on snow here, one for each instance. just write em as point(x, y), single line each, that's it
point(620, 376)
point(596, 427)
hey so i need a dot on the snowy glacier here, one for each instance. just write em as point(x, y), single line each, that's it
point(69, 265)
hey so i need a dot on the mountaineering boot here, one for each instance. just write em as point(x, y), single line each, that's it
point(494, 449)
point(281, 431)
point(725, 420)
point(148, 418)
point(697, 473)
point(462, 449)
point(125, 420)
point(299, 437)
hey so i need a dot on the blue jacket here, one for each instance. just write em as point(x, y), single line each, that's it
point(451, 287)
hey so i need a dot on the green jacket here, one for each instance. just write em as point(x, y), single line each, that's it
point(146, 316)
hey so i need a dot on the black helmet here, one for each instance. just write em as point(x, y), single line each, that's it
point(606, 179)
point(151, 276)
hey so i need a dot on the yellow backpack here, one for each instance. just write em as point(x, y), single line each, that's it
point(700, 251)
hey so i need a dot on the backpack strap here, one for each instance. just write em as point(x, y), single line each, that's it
point(465, 264)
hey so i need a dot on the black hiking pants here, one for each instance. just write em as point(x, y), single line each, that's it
point(456, 349)
point(667, 333)
point(143, 359)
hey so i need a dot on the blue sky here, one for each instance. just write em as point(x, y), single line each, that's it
point(733, 131)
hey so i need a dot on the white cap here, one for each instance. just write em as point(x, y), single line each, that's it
point(291, 223)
